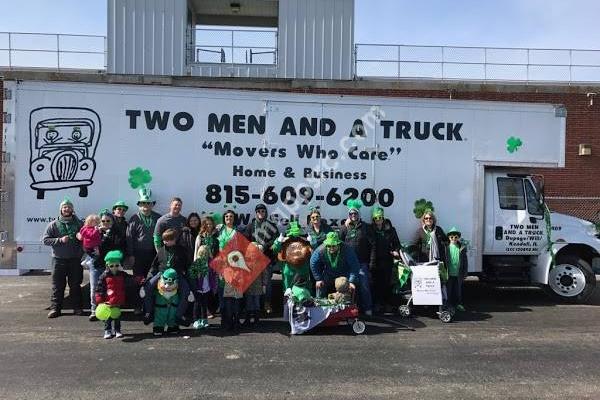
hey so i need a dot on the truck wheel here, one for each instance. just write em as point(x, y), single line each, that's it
point(83, 191)
point(40, 195)
point(571, 279)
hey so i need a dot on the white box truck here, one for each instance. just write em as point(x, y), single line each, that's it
point(227, 148)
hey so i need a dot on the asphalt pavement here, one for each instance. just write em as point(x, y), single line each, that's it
point(511, 343)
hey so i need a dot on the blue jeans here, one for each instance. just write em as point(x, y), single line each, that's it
point(252, 302)
point(95, 273)
point(364, 291)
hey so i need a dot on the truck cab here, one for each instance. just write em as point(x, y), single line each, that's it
point(525, 242)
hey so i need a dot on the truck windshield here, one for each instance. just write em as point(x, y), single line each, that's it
point(533, 201)
point(511, 193)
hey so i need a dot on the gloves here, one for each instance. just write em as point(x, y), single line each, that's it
point(281, 237)
point(142, 293)
point(191, 297)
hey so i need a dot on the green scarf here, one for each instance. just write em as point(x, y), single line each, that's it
point(146, 220)
point(225, 236)
point(333, 261)
point(68, 227)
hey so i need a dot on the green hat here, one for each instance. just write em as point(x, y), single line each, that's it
point(113, 256)
point(332, 239)
point(294, 229)
point(169, 275)
point(453, 230)
point(66, 202)
point(120, 203)
point(145, 196)
point(377, 212)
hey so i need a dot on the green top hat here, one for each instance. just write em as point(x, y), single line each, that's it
point(120, 203)
point(454, 230)
point(332, 239)
point(354, 204)
point(169, 275)
point(145, 196)
point(294, 229)
point(114, 256)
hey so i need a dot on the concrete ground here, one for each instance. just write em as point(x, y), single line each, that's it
point(510, 344)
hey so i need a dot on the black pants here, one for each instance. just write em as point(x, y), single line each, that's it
point(201, 305)
point(454, 288)
point(66, 270)
point(230, 317)
point(382, 289)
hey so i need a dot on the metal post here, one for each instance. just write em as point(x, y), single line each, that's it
point(232, 48)
point(570, 66)
point(399, 61)
point(105, 53)
point(9, 51)
point(58, 51)
point(485, 64)
point(442, 62)
point(527, 77)
point(355, 59)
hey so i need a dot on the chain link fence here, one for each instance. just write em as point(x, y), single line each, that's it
point(251, 46)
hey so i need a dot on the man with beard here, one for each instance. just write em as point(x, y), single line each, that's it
point(263, 232)
point(61, 234)
point(140, 239)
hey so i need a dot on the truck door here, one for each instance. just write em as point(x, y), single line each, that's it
point(514, 217)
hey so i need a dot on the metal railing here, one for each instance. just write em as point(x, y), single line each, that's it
point(486, 64)
point(248, 46)
point(50, 50)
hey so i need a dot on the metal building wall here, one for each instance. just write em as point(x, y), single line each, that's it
point(316, 39)
point(147, 37)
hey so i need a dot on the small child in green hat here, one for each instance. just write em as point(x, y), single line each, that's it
point(110, 294)
point(456, 256)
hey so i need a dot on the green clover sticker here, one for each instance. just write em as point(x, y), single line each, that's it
point(139, 177)
point(421, 206)
point(513, 144)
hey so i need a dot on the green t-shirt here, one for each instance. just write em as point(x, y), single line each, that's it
point(454, 261)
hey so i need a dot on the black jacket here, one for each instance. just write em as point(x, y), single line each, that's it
point(358, 239)
point(110, 241)
point(385, 241)
point(421, 252)
point(263, 233)
point(119, 229)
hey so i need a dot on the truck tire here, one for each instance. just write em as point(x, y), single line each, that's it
point(571, 279)
point(40, 194)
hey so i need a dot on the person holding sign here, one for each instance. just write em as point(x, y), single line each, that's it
point(331, 260)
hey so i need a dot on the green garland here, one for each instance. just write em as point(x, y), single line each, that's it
point(549, 236)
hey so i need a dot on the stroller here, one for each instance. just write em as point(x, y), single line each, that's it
point(305, 316)
point(410, 279)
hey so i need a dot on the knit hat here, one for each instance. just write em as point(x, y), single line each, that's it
point(66, 202)
point(260, 206)
point(332, 239)
point(354, 205)
point(120, 203)
point(454, 230)
point(145, 196)
point(114, 256)
point(169, 275)
point(377, 212)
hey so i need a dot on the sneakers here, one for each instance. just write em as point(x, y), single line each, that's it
point(108, 335)
point(198, 324)
point(92, 316)
point(460, 307)
point(54, 314)
point(118, 334)
point(158, 331)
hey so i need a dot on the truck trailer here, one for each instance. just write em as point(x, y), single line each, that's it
point(470, 161)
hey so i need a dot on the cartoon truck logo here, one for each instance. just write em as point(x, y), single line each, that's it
point(63, 142)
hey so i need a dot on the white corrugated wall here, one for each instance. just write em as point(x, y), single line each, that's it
point(316, 39)
point(147, 37)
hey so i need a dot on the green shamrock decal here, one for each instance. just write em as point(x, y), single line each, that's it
point(421, 206)
point(139, 177)
point(513, 144)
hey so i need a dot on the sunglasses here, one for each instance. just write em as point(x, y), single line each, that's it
point(113, 265)
point(453, 237)
point(377, 218)
point(353, 213)
point(315, 217)
point(427, 218)
point(105, 221)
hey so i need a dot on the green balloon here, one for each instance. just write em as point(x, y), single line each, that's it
point(103, 312)
point(115, 312)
